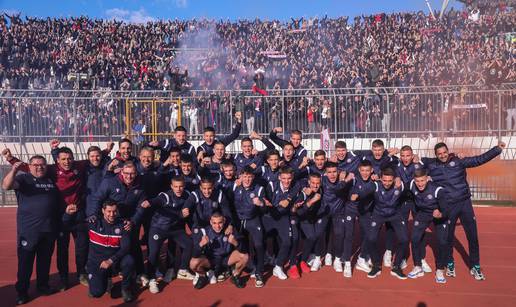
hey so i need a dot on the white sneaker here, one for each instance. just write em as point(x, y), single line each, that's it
point(316, 264)
point(211, 276)
point(416, 272)
point(184, 274)
point(327, 260)
point(311, 259)
point(439, 277)
point(403, 264)
point(362, 265)
point(153, 286)
point(278, 272)
point(143, 280)
point(347, 269)
point(337, 265)
point(426, 268)
point(387, 259)
point(195, 279)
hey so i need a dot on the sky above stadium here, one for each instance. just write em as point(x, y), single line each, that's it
point(143, 11)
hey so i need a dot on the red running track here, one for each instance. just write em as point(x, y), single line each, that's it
point(324, 288)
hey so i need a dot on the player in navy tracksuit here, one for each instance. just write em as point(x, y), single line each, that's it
point(125, 189)
point(313, 167)
point(168, 223)
point(387, 195)
point(179, 141)
point(247, 158)
point(212, 163)
point(109, 249)
point(37, 219)
point(380, 159)
point(346, 160)
point(190, 175)
point(270, 171)
point(335, 188)
point(276, 219)
point(432, 207)
point(361, 210)
point(216, 249)
point(449, 171)
point(295, 139)
point(310, 214)
point(210, 139)
point(249, 204)
point(204, 202)
point(405, 171)
point(226, 183)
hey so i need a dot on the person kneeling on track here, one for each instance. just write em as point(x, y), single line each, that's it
point(109, 251)
point(213, 250)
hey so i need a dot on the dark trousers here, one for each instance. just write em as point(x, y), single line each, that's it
point(136, 250)
point(421, 223)
point(464, 211)
point(295, 235)
point(41, 247)
point(156, 239)
point(377, 221)
point(279, 228)
point(364, 221)
point(339, 229)
point(79, 232)
point(315, 237)
point(252, 230)
point(405, 209)
point(98, 278)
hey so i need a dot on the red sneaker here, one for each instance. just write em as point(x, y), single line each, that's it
point(304, 267)
point(293, 272)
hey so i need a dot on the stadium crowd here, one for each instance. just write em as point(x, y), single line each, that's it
point(316, 54)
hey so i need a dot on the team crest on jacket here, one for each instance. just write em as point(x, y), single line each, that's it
point(373, 224)
point(396, 192)
point(429, 196)
point(214, 204)
point(452, 163)
point(416, 166)
point(194, 181)
point(348, 218)
point(225, 239)
point(117, 231)
point(293, 222)
point(416, 223)
point(196, 230)
point(252, 195)
point(117, 190)
point(24, 243)
point(155, 237)
point(135, 192)
point(75, 171)
point(348, 160)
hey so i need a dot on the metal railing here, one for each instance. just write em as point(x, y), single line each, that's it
point(469, 117)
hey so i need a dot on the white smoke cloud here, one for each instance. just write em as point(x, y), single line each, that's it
point(138, 16)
